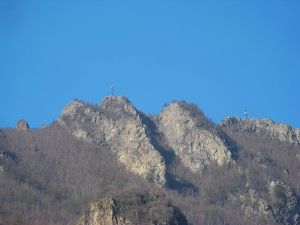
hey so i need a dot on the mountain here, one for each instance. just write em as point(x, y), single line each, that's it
point(113, 164)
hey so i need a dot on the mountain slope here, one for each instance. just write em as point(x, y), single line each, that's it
point(237, 172)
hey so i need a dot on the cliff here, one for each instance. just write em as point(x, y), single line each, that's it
point(196, 146)
point(117, 123)
point(113, 164)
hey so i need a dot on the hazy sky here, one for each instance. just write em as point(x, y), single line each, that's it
point(222, 55)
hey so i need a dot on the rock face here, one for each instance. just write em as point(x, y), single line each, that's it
point(144, 209)
point(279, 203)
point(195, 146)
point(283, 202)
point(119, 124)
point(22, 125)
point(283, 132)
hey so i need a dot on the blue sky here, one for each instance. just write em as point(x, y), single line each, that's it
point(222, 55)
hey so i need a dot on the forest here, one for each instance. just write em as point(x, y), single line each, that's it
point(49, 176)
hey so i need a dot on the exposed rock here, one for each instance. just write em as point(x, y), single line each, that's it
point(254, 205)
point(22, 125)
point(3, 154)
point(279, 203)
point(1, 172)
point(297, 132)
point(284, 203)
point(230, 120)
point(7, 160)
point(283, 132)
point(195, 146)
point(118, 123)
point(143, 209)
point(82, 134)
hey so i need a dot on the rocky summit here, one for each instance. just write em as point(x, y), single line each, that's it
point(112, 164)
point(196, 146)
point(22, 125)
point(118, 123)
point(267, 127)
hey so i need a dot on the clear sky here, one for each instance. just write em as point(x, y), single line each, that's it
point(222, 55)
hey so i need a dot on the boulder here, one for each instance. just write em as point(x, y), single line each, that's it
point(22, 125)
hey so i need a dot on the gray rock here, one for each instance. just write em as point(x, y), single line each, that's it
point(230, 120)
point(22, 125)
point(1, 170)
point(118, 123)
point(143, 209)
point(282, 132)
point(278, 203)
point(195, 146)
point(283, 202)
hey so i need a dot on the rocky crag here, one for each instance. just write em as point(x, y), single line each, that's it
point(119, 124)
point(278, 203)
point(133, 209)
point(241, 171)
point(196, 146)
point(266, 127)
point(22, 125)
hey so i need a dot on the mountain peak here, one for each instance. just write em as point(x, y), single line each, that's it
point(22, 125)
point(112, 99)
point(119, 105)
point(190, 134)
point(72, 107)
point(268, 127)
point(109, 149)
point(118, 124)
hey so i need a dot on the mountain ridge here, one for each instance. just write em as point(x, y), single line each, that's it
point(246, 169)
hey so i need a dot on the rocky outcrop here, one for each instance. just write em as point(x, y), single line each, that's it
point(3, 154)
point(284, 204)
point(119, 124)
point(143, 209)
point(7, 160)
point(282, 132)
point(278, 203)
point(195, 146)
point(22, 125)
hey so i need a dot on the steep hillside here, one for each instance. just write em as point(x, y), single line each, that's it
point(118, 123)
point(135, 209)
point(113, 164)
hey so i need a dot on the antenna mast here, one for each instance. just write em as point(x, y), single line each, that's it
point(246, 113)
point(112, 90)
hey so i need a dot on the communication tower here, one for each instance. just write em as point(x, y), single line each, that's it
point(112, 90)
point(246, 113)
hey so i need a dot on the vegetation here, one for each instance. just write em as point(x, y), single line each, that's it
point(49, 177)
